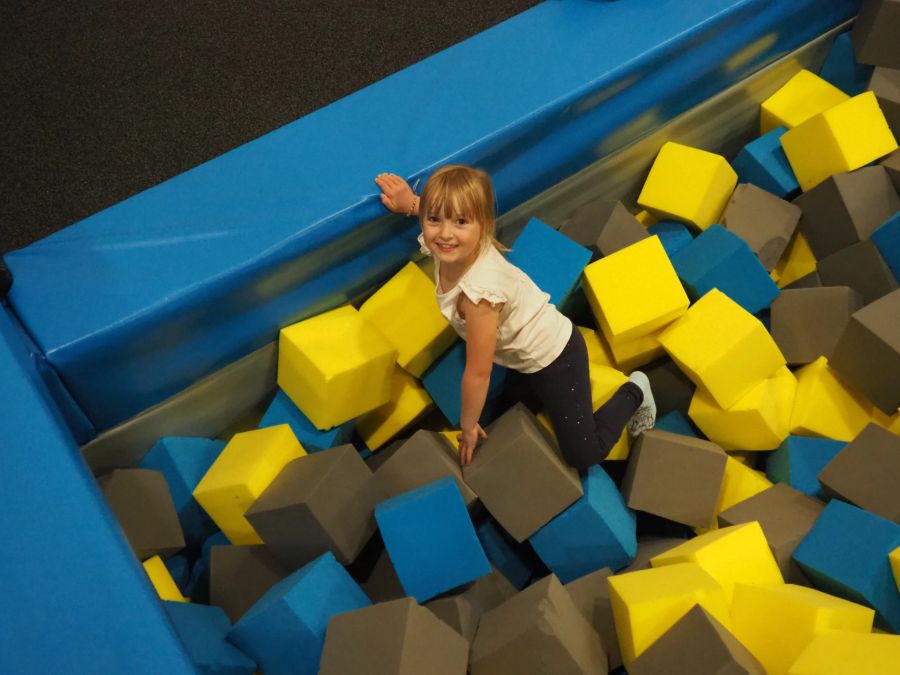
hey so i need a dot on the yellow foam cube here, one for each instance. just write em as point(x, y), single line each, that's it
point(894, 557)
point(759, 420)
point(796, 262)
point(648, 602)
point(804, 95)
point(241, 473)
point(636, 352)
point(776, 623)
point(688, 184)
point(825, 407)
point(452, 435)
point(598, 351)
point(739, 553)
point(721, 347)
point(335, 366)
point(645, 218)
point(889, 422)
point(843, 138)
point(409, 401)
point(842, 652)
point(407, 314)
point(162, 580)
point(739, 482)
point(634, 291)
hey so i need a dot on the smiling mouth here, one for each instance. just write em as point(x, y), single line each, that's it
point(446, 248)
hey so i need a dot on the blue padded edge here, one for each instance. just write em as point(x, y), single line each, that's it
point(137, 302)
point(75, 599)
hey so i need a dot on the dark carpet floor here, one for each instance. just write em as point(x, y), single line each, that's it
point(102, 99)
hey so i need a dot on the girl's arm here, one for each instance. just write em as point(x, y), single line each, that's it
point(481, 339)
point(396, 194)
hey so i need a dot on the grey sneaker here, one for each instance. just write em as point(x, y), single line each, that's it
point(645, 416)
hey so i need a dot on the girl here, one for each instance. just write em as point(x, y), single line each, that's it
point(505, 318)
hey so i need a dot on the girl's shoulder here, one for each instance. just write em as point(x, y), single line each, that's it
point(492, 277)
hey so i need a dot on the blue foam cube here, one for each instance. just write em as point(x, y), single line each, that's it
point(431, 540)
point(675, 422)
point(763, 163)
point(442, 379)
point(283, 411)
point(887, 240)
point(672, 235)
point(184, 462)
point(596, 531)
point(846, 554)
point(841, 68)
point(718, 258)
point(202, 629)
point(798, 461)
point(517, 562)
point(285, 629)
point(552, 260)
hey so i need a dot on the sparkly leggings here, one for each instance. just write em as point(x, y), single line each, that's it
point(564, 389)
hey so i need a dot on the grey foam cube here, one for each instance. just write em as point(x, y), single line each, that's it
point(763, 220)
point(846, 208)
point(867, 355)
point(382, 583)
point(142, 503)
point(811, 280)
point(241, 575)
point(785, 515)
point(867, 473)
point(676, 477)
point(604, 227)
point(463, 611)
point(806, 323)
point(696, 643)
point(319, 502)
point(425, 457)
point(875, 33)
point(672, 390)
point(520, 477)
point(398, 637)
point(861, 267)
point(885, 82)
point(590, 594)
point(891, 164)
point(538, 630)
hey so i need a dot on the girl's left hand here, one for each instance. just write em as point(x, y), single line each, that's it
point(396, 194)
point(467, 442)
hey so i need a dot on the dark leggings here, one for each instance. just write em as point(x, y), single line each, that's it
point(564, 389)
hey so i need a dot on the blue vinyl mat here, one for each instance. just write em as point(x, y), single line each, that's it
point(137, 302)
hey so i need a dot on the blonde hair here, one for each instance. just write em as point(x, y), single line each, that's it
point(465, 191)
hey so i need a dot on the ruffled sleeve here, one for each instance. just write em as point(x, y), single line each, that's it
point(422, 247)
point(476, 290)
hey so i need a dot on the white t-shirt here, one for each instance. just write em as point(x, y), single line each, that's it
point(531, 332)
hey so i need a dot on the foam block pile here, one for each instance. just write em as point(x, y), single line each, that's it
point(756, 529)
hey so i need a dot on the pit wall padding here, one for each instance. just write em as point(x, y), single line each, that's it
point(139, 301)
point(75, 599)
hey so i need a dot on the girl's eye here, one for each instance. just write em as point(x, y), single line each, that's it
point(461, 221)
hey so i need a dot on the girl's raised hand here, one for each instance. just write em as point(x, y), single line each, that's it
point(396, 194)
point(467, 442)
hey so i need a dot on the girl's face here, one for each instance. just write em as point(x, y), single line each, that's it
point(453, 239)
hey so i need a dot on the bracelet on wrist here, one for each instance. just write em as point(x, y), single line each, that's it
point(412, 206)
